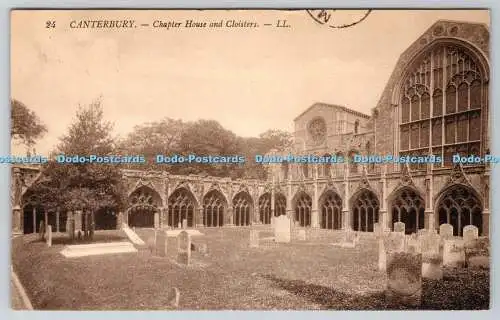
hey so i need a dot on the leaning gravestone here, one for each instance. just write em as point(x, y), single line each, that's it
point(184, 248)
point(453, 253)
point(432, 261)
point(470, 233)
point(49, 235)
point(161, 244)
point(446, 231)
point(301, 236)
point(254, 238)
point(399, 227)
point(282, 229)
point(382, 255)
point(404, 279)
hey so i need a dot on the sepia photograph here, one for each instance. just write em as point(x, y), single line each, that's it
point(247, 159)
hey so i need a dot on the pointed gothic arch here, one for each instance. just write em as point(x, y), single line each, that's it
point(242, 209)
point(408, 206)
point(182, 205)
point(143, 203)
point(214, 207)
point(459, 205)
point(303, 206)
point(330, 204)
point(364, 210)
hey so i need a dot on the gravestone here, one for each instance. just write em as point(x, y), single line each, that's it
point(184, 248)
point(404, 279)
point(446, 231)
point(421, 232)
point(432, 261)
point(394, 242)
point(254, 238)
point(382, 255)
point(454, 253)
point(49, 235)
point(161, 243)
point(301, 236)
point(413, 244)
point(282, 229)
point(470, 233)
point(184, 223)
point(157, 220)
point(399, 227)
point(41, 231)
point(477, 253)
point(377, 229)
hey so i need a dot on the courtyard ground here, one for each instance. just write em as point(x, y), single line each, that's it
point(297, 276)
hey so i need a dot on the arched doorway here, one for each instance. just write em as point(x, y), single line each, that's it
point(144, 202)
point(331, 211)
point(181, 205)
point(214, 206)
point(303, 205)
point(364, 208)
point(242, 209)
point(408, 207)
point(460, 206)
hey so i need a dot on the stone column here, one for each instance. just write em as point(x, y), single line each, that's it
point(383, 214)
point(164, 217)
point(200, 222)
point(17, 219)
point(314, 213)
point(346, 217)
point(430, 219)
point(229, 219)
point(46, 218)
point(272, 200)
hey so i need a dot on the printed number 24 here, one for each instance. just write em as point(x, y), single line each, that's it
point(50, 24)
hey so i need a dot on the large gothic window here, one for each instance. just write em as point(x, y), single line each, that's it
point(242, 209)
point(460, 207)
point(181, 205)
point(408, 207)
point(213, 209)
point(331, 211)
point(279, 205)
point(365, 207)
point(303, 206)
point(442, 116)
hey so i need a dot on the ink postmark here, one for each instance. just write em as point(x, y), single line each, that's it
point(338, 19)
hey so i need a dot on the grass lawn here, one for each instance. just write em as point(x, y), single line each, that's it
point(298, 276)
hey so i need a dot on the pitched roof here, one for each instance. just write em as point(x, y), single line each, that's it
point(357, 113)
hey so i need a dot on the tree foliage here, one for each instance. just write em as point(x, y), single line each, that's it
point(25, 124)
point(83, 186)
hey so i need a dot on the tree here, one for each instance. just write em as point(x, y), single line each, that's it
point(276, 139)
point(88, 186)
point(25, 124)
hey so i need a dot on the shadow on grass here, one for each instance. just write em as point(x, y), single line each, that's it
point(329, 298)
point(98, 238)
point(460, 291)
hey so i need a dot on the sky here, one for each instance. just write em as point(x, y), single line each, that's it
point(248, 79)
